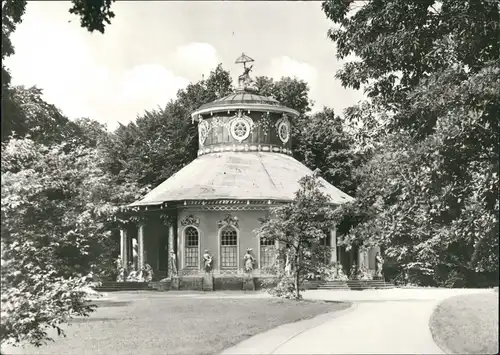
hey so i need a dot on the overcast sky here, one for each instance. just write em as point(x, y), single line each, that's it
point(152, 49)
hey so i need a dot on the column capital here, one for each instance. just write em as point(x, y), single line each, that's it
point(168, 219)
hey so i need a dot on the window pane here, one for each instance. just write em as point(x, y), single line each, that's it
point(191, 253)
point(228, 257)
point(229, 236)
point(266, 242)
point(192, 257)
point(267, 256)
point(229, 249)
point(191, 234)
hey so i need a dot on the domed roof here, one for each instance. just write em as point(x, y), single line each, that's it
point(238, 176)
point(245, 100)
point(242, 97)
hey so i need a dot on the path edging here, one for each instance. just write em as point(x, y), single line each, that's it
point(289, 331)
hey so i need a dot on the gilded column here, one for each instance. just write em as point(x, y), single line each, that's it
point(172, 258)
point(124, 247)
point(333, 243)
point(142, 251)
point(171, 237)
point(362, 258)
point(277, 258)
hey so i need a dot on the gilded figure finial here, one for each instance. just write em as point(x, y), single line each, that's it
point(244, 79)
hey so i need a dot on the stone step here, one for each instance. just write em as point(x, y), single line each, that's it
point(113, 289)
point(110, 286)
point(350, 284)
point(332, 288)
point(126, 283)
point(372, 284)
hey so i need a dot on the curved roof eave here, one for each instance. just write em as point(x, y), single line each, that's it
point(243, 106)
point(237, 176)
point(158, 204)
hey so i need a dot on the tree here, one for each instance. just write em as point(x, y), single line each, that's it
point(32, 115)
point(323, 144)
point(94, 15)
point(300, 226)
point(12, 12)
point(429, 193)
point(57, 216)
point(34, 298)
point(290, 92)
point(160, 142)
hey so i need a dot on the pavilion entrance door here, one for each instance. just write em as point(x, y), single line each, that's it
point(346, 258)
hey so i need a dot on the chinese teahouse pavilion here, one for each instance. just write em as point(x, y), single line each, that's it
point(213, 205)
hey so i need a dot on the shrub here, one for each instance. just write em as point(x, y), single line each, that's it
point(285, 288)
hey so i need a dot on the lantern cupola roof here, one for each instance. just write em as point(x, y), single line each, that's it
point(244, 154)
point(245, 97)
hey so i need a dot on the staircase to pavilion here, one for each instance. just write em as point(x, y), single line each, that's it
point(111, 286)
point(348, 285)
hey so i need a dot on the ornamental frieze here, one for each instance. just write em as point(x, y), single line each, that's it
point(244, 148)
point(265, 122)
point(228, 220)
point(190, 221)
point(203, 129)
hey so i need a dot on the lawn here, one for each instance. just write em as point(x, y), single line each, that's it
point(467, 324)
point(175, 323)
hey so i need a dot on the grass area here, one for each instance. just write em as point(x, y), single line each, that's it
point(467, 324)
point(173, 323)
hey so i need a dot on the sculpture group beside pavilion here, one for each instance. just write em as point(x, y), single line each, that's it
point(245, 165)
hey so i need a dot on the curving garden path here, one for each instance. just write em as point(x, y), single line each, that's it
point(392, 321)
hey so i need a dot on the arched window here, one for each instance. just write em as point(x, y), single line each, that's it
point(228, 248)
point(191, 252)
point(267, 253)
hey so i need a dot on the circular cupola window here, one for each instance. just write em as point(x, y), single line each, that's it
point(240, 129)
point(203, 129)
point(284, 131)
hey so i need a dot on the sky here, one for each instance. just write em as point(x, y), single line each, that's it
point(153, 48)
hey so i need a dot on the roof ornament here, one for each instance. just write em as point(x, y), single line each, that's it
point(244, 80)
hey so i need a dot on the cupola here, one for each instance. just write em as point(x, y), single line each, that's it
point(244, 121)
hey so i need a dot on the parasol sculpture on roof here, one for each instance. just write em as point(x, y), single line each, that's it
point(244, 167)
point(244, 80)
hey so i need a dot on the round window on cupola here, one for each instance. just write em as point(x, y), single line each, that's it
point(203, 129)
point(240, 127)
point(284, 129)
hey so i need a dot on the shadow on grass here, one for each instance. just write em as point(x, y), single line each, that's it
point(90, 319)
point(151, 325)
point(104, 304)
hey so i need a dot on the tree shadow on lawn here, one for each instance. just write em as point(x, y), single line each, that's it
point(107, 303)
point(180, 326)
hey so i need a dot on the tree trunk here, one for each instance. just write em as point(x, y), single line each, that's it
point(297, 273)
point(297, 290)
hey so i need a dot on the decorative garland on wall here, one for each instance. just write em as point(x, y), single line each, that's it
point(228, 208)
point(265, 122)
point(190, 221)
point(228, 221)
point(245, 148)
point(240, 126)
